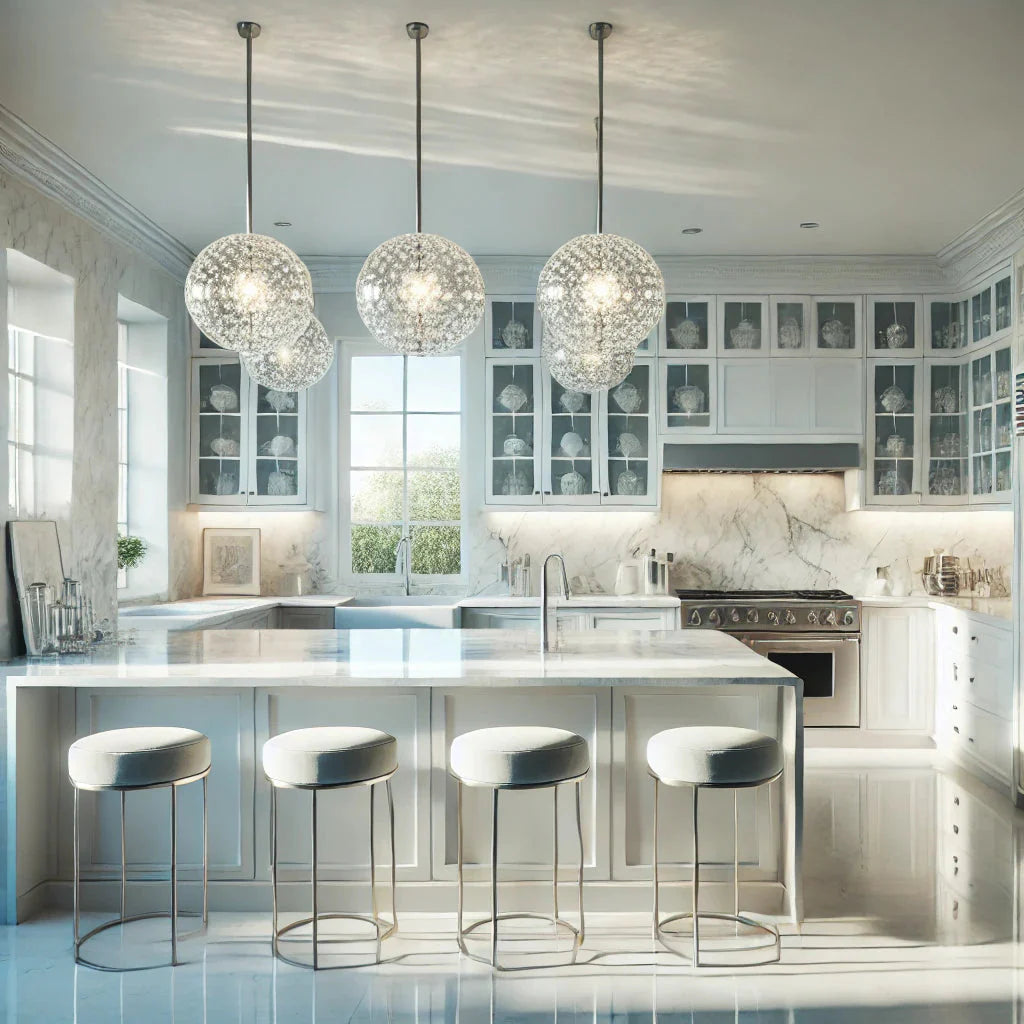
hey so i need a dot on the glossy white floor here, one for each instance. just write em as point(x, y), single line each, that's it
point(911, 879)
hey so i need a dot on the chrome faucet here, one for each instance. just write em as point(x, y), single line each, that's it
point(406, 564)
point(545, 642)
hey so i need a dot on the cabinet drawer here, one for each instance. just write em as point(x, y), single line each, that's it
point(986, 685)
point(983, 736)
point(960, 634)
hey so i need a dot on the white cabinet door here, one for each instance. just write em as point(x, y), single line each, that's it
point(629, 439)
point(220, 432)
point(838, 396)
point(277, 446)
point(514, 432)
point(572, 456)
point(641, 618)
point(745, 395)
point(792, 395)
point(500, 618)
point(897, 668)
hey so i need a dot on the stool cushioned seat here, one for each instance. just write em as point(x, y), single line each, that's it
point(333, 755)
point(151, 756)
point(525, 755)
point(707, 755)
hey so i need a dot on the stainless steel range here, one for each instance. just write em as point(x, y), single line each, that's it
point(813, 633)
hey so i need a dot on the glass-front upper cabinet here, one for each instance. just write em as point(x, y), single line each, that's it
point(836, 327)
point(688, 325)
point(629, 439)
point(981, 315)
point(248, 441)
point(894, 428)
point(1002, 300)
point(687, 395)
point(895, 325)
point(743, 325)
point(571, 457)
point(991, 392)
point(790, 325)
point(947, 474)
point(948, 326)
point(513, 432)
point(512, 325)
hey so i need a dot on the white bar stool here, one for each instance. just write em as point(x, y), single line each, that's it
point(331, 757)
point(130, 760)
point(712, 757)
point(519, 758)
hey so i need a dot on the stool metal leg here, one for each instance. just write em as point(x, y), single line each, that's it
point(494, 878)
point(696, 885)
point(76, 895)
point(579, 834)
point(273, 866)
point(123, 858)
point(458, 790)
point(654, 864)
point(373, 876)
point(394, 872)
point(316, 910)
point(174, 876)
point(206, 861)
point(736, 854)
point(554, 856)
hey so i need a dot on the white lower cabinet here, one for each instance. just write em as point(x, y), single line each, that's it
point(571, 621)
point(897, 668)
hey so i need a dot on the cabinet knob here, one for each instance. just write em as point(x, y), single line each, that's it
point(536, 492)
point(955, 629)
point(605, 494)
point(956, 801)
point(547, 492)
point(974, 639)
point(972, 679)
point(956, 729)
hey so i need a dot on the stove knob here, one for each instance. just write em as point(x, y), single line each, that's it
point(734, 615)
point(849, 618)
point(812, 618)
point(773, 617)
point(751, 615)
point(832, 619)
point(694, 619)
point(714, 619)
point(790, 618)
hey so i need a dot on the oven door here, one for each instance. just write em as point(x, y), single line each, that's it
point(830, 669)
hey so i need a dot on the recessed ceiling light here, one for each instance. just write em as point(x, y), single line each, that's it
point(808, 224)
point(692, 231)
point(282, 223)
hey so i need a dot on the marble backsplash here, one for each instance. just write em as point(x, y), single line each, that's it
point(744, 531)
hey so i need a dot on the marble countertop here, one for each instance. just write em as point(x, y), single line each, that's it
point(576, 600)
point(424, 657)
point(210, 612)
point(998, 609)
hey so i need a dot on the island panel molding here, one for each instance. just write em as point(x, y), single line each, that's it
point(32, 157)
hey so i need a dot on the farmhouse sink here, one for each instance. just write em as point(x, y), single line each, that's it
point(398, 612)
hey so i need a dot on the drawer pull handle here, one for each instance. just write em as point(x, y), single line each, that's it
point(956, 729)
point(955, 629)
point(955, 707)
point(956, 801)
point(974, 639)
point(970, 739)
point(972, 679)
point(956, 859)
point(956, 830)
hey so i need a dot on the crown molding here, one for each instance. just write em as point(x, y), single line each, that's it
point(994, 238)
point(34, 159)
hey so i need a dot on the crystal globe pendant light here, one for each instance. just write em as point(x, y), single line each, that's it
point(293, 365)
point(420, 294)
point(599, 295)
point(249, 292)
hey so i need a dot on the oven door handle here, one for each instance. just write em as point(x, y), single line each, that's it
point(805, 639)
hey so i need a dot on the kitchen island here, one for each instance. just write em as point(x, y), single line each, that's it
point(425, 687)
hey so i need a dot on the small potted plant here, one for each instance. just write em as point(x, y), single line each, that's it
point(130, 552)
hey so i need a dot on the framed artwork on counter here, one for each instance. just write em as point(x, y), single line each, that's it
point(231, 561)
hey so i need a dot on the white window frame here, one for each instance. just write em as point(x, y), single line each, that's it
point(349, 349)
point(122, 441)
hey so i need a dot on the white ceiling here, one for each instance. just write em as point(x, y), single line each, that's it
point(895, 123)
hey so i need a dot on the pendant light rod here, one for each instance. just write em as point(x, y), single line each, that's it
point(248, 30)
point(600, 31)
point(418, 30)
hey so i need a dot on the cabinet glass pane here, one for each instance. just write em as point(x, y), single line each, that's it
point(981, 315)
point(742, 329)
point(686, 325)
point(688, 395)
point(894, 429)
point(513, 466)
point(837, 325)
point(895, 325)
point(220, 429)
point(277, 442)
point(571, 446)
point(949, 325)
point(981, 381)
point(790, 328)
point(628, 431)
point(981, 470)
point(1003, 308)
point(512, 326)
point(947, 430)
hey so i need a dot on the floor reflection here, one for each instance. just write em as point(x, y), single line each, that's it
point(911, 907)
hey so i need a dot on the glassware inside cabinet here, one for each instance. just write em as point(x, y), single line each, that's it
point(687, 395)
point(948, 325)
point(629, 431)
point(947, 430)
point(790, 329)
point(894, 416)
point(837, 325)
point(741, 326)
point(1004, 308)
point(512, 323)
point(570, 448)
point(512, 412)
point(981, 315)
point(220, 429)
point(895, 325)
point(686, 325)
point(277, 442)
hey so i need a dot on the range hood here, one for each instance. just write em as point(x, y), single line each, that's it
point(761, 458)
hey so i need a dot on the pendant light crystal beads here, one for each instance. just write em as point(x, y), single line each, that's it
point(600, 291)
point(293, 365)
point(420, 294)
point(249, 293)
point(587, 367)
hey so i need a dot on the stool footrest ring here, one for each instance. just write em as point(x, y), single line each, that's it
point(385, 929)
point(743, 919)
point(117, 922)
point(557, 922)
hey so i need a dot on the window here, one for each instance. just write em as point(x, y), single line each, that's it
point(40, 381)
point(405, 455)
point(122, 441)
